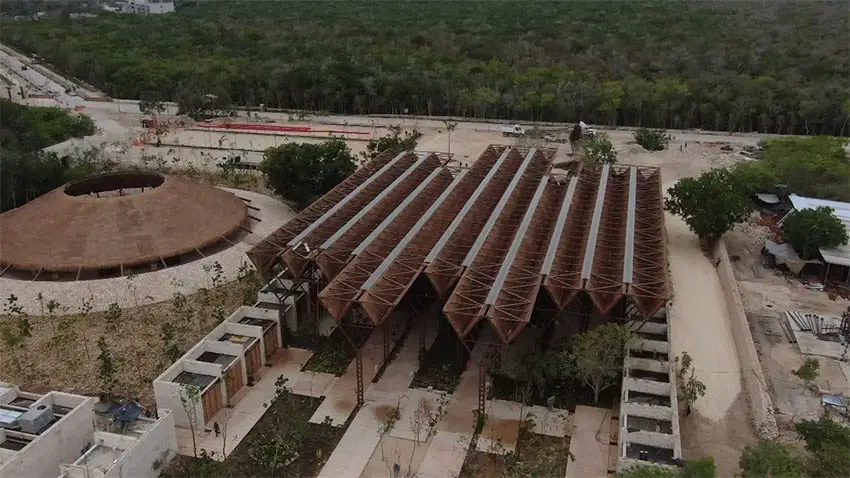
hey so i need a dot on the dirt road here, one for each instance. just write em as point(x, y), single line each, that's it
point(719, 425)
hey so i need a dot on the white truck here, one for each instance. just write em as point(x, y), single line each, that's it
point(235, 160)
point(586, 131)
point(515, 130)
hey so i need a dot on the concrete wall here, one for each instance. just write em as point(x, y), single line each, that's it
point(671, 441)
point(167, 393)
point(142, 457)
point(255, 312)
point(755, 386)
point(289, 319)
point(61, 443)
point(73, 471)
point(147, 456)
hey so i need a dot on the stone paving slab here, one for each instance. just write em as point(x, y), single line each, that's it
point(399, 374)
point(313, 384)
point(357, 445)
point(337, 406)
point(551, 423)
point(501, 427)
point(589, 443)
point(341, 398)
point(406, 453)
point(410, 403)
point(445, 456)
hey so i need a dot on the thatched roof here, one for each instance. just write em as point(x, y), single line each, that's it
point(71, 229)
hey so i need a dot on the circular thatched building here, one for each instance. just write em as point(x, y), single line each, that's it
point(117, 224)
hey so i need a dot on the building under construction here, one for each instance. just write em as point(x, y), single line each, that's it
point(497, 246)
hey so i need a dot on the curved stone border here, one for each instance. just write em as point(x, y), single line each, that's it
point(156, 286)
point(752, 373)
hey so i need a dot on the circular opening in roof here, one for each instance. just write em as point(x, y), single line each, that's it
point(115, 184)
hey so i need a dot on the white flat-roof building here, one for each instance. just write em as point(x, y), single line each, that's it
point(230, 357)
point(148, 7)
point(73, 436)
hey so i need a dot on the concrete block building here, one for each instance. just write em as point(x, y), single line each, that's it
point(231, 357)
point(73, 436)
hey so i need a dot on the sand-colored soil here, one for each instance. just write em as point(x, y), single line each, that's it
point(767, 293)
point(700, 325)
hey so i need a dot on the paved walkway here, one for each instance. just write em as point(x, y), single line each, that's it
point(341, 399)
point(358, 451)
point(501, 428)
point(354, 450)
point(447, 452)
point(700, 324)
point(399, 374)
point(589, 442)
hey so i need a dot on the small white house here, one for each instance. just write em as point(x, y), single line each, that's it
point(230, 357)
point(148, 7)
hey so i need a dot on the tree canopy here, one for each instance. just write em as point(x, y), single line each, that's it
point(26, 172)
point(597, 356)
point(811, 229)
point(827, 453)
point(301, 172)
point(737, 66)
point(702, 468)
point(770, 459)
point(25, 128)
point(599, 150)
point(828, 443)
point(652, 139)
point(815, 167)
point(710, 204)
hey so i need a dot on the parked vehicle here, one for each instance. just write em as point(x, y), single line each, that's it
point(586, 131)
point(515, 130)
point(236, 161)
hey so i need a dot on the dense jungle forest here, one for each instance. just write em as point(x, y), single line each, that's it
point(26, 172)
point(766, 66)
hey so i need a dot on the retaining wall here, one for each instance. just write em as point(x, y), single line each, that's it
point(755, 386)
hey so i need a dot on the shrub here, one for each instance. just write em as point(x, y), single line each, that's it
point(811, 229)
point(767, 458)
point(652, 139)
point(599, 150)
point(301, 172)
point(808, 372)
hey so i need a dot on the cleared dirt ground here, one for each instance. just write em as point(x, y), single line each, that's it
point(767, 294)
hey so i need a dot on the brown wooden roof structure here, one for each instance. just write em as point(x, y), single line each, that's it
point(117, 220)
point(489, 238)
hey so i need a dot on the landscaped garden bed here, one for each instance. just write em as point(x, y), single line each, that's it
point(282, 444)
point(333, 354)
point(443, 364)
